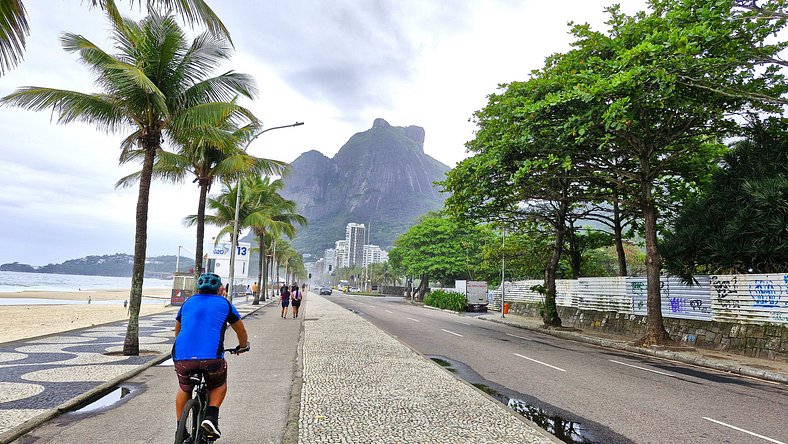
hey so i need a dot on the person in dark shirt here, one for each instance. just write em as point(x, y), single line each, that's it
point(284, 294)
point(295, 296)
point(199, 346)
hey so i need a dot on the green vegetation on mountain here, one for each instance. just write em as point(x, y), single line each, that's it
point(117, 264)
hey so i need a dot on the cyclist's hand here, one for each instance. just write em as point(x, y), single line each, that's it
point(238, 349)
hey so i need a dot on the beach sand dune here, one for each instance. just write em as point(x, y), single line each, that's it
point(27, 321)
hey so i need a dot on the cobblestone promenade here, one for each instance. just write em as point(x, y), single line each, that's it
point(362, 385)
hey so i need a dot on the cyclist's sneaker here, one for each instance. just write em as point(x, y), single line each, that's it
point(211, 427)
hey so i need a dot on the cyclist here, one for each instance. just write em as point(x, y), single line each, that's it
point(199, 346)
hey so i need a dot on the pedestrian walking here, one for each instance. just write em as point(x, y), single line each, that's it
point(295, 295)
point(284, 294)
point(89, 299)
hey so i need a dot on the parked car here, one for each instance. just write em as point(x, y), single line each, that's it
point(325, 290)
point(354, 290)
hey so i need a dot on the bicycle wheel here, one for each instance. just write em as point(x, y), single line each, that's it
point(189, 423)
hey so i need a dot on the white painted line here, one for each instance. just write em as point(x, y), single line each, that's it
point(389, 311)
point(463, 323)
point(643, 368)
point(452, 333)
point(414, 320)
point(515, 336)
point(539, 362)
point(745, 431)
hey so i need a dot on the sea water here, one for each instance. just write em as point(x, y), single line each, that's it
point(13, 281)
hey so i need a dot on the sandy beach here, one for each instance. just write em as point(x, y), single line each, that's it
point(26, 321)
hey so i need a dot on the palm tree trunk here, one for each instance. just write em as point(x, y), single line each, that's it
point(261, 243)
point(131, 345)
point(200, 227)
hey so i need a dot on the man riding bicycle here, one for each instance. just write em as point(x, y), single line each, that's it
point(199, 346)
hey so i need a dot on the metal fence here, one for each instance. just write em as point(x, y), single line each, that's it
point(746, 299)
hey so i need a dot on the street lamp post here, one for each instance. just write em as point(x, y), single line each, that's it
point(503, 274)
point(234, 238)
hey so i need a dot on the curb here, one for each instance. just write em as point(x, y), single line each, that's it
point(740, 369)
point(95, 392)
point(291, 434)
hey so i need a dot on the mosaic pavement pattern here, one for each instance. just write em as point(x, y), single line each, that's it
point(39, 374)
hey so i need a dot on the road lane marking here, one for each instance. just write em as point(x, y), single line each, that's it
point(463, 323)
point(515, 336)
point(643, 368)
point(414, 320)
point(389, 311)
point(452, 333)
point(539, 362)
point(745, 431)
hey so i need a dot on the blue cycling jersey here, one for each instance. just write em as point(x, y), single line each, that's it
point(204, 319)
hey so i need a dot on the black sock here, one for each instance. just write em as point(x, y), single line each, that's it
point(212, 412)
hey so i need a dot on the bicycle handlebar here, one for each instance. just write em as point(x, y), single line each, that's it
point(238, 349)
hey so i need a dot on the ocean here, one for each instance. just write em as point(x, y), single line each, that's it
point(12, 281)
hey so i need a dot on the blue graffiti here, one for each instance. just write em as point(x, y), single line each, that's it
point(765, 293)
point(678, 305)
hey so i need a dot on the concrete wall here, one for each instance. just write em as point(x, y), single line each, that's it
point(761, 341)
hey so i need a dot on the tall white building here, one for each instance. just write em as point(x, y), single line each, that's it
point(355, 237)
point(341, 253)
point(373, 255)
point(330, 257)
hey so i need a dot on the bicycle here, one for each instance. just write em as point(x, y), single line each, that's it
point(189, 430)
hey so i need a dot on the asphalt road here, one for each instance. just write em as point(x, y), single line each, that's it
point(591, 394)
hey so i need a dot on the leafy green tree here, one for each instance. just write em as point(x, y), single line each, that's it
point(159, 86)
point(738, 223)
point(14, 28)
point(440, 248)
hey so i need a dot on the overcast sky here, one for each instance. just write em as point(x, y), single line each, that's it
point(335, 65)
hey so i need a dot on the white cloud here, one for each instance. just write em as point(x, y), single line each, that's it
point(334, 65)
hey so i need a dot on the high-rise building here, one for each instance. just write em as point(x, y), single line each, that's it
point(355, 237)
point(341, 253)
point(373, 255)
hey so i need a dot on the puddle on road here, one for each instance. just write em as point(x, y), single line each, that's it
point(445, 364)
point(166, 363)
point(566, 430)
point(104, 401)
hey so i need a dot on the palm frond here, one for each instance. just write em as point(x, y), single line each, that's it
point(13, 32)
point(70, 106)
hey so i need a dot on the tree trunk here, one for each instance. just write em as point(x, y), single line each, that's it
point(261, 242)
point(550, 312)
point(131, 345)
point(200, 227)
point(422, 289)
point(618, 233)
point(574, 253)
point(655, 329)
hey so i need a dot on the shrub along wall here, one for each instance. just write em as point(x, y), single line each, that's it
point(760, 341)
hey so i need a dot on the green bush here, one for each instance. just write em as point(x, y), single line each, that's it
point(446, 299)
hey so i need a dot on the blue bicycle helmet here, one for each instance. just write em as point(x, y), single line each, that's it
point(209, 283)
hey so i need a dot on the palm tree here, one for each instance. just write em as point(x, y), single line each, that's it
point(274, 214)
point(208, 156)
point(14, 28)
point(157, 85)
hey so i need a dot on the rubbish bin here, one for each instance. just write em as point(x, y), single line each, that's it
point(506, 308)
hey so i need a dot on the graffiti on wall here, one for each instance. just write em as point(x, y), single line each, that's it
point(725, 290)
point(678, 300)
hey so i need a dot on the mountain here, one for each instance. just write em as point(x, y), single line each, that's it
point(118, 264)
point(380, 177)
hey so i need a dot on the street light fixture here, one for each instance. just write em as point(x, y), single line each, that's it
point(234, 239)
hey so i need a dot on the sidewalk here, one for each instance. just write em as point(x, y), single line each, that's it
point(361, 385)
point(776, 371)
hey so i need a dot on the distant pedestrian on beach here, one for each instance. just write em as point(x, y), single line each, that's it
point(125, 303)
point(88, 299)
point(284, 295)
point(295, 295)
